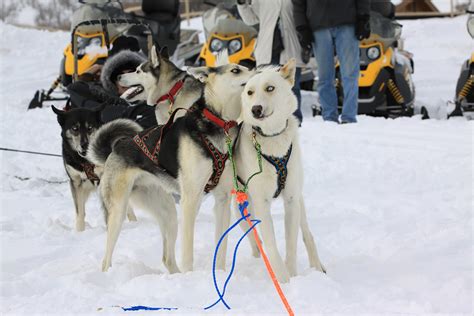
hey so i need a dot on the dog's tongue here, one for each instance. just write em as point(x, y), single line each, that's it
point(131, 92)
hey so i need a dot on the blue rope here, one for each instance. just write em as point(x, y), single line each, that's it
point(146, 308)
point(242, 207)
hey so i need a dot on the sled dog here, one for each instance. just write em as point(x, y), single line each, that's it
point(165, 86)
point(185, 157)
point(267, 106)
point(78, 126)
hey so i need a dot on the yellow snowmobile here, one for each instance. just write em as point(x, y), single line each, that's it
point(385, 84)
point(223, 31)
point(464, 99)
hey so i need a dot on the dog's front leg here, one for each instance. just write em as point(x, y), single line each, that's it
point(190, 202)
point(292, 220)
point(261, 208)
point(80, 192)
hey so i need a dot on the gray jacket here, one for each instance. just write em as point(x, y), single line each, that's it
point(318, 14)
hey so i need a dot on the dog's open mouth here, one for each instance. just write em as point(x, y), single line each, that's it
point(132, 92)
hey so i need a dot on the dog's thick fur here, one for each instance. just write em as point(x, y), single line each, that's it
point(157, 76)
point(78, 126)
point(130, 175)
point(268, 103)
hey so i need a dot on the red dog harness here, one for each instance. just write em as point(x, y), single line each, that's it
point(171, 95)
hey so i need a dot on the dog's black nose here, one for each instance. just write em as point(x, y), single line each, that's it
point(257, 111)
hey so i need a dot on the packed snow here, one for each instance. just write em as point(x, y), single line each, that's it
point(390, 203)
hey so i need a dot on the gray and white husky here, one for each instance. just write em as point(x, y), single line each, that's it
point(157, 77)
point(267, 106)
point(185, 164)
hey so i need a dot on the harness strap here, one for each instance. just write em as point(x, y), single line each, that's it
point(90, 174)
point(171, 95)
point(218, 163)
point(140, 140)
point(225, 125)
point(280, 164)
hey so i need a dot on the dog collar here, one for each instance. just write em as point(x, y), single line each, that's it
point(225, 125)
point(259, 130)
point(171, 95)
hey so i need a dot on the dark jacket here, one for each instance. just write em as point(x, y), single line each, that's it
point(318, 14)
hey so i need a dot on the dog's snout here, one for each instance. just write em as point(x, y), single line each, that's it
point(257, 111)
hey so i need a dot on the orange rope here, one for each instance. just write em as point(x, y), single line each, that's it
point(241, 197)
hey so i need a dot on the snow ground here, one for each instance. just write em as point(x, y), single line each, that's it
point(390, 203)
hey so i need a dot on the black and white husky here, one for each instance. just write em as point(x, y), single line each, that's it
point(78, 126)
point(187, 157)
point(267, 106)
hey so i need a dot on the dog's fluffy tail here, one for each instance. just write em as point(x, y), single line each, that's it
point(105, 138)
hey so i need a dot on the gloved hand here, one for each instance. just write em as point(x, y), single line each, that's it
point(305, 36)
point(362, 27)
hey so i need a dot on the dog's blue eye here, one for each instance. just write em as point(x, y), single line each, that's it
point(235, 70)
point(269, 88)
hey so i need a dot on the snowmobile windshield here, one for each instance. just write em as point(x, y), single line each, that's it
point(96, 11)
point(385, 28)
point(470, 25)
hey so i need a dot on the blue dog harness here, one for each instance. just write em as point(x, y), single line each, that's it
point(280, 164)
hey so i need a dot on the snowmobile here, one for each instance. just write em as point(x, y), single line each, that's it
point(224, 30)
point(464, 99)
point(385, 83)
point(94, 28)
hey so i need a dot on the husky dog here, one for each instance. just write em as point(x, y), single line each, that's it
point(267, 106)
point(186, 157)
point(165, 86)
point(77, 128)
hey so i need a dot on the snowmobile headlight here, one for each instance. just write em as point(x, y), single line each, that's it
point(216, 45)
point(373, 53)
point(470, 25)
point(234, 46)
point(84, 44)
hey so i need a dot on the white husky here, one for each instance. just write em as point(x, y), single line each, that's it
point(267, 106)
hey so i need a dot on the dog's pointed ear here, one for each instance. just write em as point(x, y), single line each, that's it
point(98, 111)
point(154, 57)
point(288, 71)
point(200, 73)
point(60, 115)
point(164, 52)
point(57, 111)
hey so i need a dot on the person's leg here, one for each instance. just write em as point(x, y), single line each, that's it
point(297, 92)
point(347, 49)
point(323, 47)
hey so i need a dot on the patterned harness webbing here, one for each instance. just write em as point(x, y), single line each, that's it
point(280, 164)
point(218, 164)
point(90, 174)
point(149, 142)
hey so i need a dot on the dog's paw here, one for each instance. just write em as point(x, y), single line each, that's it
point(105, 265)
point(283, 277)
point(80, 225)
point(319, 266)
point(131, 217)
